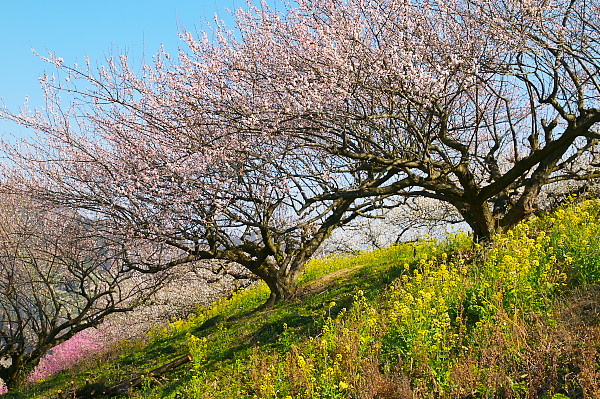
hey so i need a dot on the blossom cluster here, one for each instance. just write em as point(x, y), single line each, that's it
point(67, 354)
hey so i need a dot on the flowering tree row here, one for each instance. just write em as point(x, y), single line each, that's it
point(253, 145)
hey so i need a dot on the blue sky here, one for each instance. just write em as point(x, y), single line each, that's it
point(73, 29)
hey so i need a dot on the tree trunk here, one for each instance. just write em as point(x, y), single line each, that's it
point(281, 290)
point(280, 279)
point(480, 218)
point(12, 375)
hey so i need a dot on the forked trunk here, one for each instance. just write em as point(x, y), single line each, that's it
point(281, 286)
point(481, 220)
point(485, 224)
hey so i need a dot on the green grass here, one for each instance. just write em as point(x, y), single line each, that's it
point(426, 320)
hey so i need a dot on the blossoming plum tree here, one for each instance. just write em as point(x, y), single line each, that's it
point(166, 163)
point(479, 104)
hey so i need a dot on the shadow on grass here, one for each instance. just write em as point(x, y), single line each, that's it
point(235, 335)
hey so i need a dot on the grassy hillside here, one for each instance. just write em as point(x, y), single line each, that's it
point(516, 318)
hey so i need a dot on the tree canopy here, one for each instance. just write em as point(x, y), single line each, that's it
point(252, 145)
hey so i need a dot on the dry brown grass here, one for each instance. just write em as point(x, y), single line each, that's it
point(516, 357)
point(541, 356)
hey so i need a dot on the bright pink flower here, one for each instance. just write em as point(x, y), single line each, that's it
point(69, 353)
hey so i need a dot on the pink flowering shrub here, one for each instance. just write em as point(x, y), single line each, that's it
point(69, 353)
point(3, 389)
